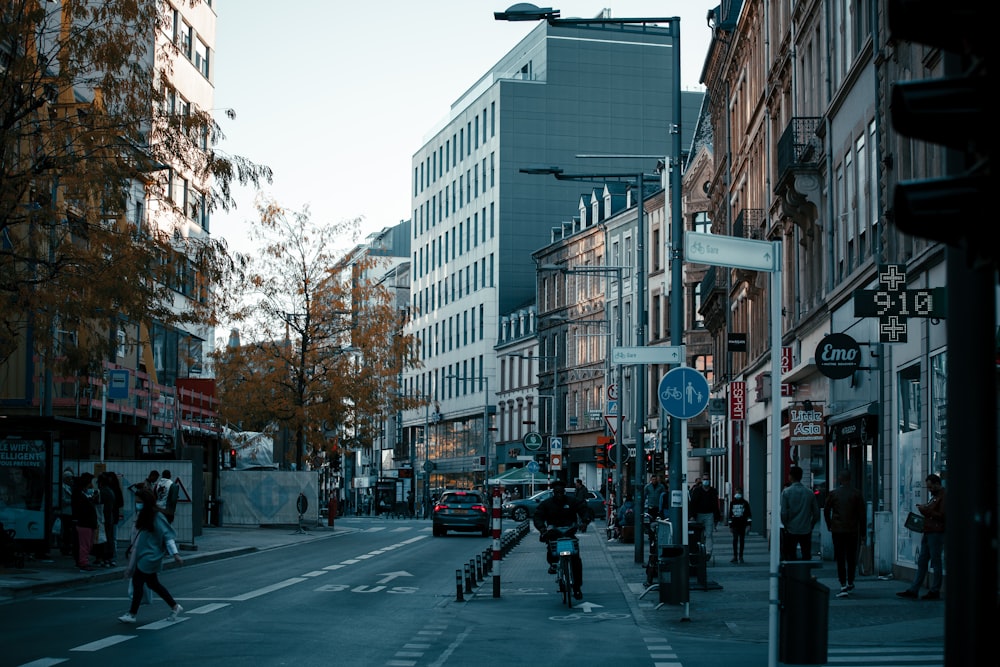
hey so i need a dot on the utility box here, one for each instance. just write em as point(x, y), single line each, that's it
point(805, 610)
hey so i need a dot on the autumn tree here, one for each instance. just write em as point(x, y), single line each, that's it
point(321, 342)
point(92, 138)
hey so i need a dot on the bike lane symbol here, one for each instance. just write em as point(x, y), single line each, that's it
point(683, 392)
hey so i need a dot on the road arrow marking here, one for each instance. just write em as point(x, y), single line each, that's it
point(389, 576)
point(588, 607)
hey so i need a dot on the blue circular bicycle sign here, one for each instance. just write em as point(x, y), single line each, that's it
point(683, 392)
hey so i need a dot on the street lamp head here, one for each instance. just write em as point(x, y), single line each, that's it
point(542, 170)
point(525, 11)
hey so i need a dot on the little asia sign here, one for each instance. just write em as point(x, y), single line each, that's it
point(805, 427)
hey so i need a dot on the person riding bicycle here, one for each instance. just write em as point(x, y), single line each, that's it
point(560, 510)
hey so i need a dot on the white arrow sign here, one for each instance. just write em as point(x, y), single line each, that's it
point(389, 576)
point(729, 251)
point(588, 607)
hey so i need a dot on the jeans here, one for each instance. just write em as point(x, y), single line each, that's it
point(739, 540)
point(845, 552)
point(708, 521)
point(793, 540)
point(931, 547)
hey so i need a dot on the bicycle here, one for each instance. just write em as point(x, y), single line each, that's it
point(566, 546)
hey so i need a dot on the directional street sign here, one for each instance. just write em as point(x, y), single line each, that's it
point(533, 441)
point(707, 451)
point(660, 354)
point(683, 392)
point(555, 445)
point(729, 251)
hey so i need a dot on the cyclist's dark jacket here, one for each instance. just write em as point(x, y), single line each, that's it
point(564, 510)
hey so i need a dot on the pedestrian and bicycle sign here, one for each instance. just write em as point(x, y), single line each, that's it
point(683, 392)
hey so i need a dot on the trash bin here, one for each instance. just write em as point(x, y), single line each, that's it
point(805, 609)
point(697, 558)
point(672, 574)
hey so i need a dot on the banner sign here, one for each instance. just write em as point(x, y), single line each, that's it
point(737, 400)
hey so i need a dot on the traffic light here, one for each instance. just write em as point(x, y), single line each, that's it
point(950, 112)
point(232, 457)
point(602, 453)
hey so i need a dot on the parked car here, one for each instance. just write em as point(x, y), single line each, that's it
point(461, 510)
point(522, 509)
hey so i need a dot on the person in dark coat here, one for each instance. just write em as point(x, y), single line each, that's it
point(844, 513)
point(739, 520)
point(85, 518)
point(562, 510)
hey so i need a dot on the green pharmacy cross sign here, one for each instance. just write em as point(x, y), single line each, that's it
point(892, 303)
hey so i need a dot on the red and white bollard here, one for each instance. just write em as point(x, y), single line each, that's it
point(497, 501)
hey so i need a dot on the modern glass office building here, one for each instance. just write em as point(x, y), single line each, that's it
point(563, 91)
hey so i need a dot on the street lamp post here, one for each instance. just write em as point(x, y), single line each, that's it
point(619, 333)
point(554, 428)
point(484, 381)
point(640, 328)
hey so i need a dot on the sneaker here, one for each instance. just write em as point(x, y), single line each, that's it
point(931, 595)
point(907, 594)
point(127, 618)
point(578, 594)
point(175, 612)
point(850, 587)
point(735, 560)
point(552, 569)
point(843, 592)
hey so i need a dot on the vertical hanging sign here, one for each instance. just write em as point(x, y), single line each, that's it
point(737, 400)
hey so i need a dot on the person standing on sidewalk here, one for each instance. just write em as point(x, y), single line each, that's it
point(85, 518)
point(651, 497)
point(705, 508)
point(739, 520)
point(799, 514)
point(931, 544)
point(153, 540)
point(845, 519)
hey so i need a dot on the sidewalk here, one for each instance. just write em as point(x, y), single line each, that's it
point(738, 608)
point(735, 607)
point(60, 572)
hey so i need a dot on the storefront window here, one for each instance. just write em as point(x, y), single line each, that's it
point(910, 474)
point(939, 416)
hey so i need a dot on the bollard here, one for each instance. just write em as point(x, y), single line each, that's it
point(458, 586)
point(479, 567)
point(468, 580)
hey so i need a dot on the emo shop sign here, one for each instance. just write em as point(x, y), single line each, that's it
point(805, 426)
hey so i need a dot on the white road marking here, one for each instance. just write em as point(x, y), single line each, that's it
point(207, 609)
point(268, 589)
point(103, 643)
point(44, 662)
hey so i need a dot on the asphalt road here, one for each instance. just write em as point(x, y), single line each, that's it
point(380, 595)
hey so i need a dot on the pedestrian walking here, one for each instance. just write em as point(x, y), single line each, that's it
point(85, 519)
point(799, 515)
point(162, 491)
point(704, 506)
point(580, 489)
point(109, 516)
point(173, 495)
point(844, 513)
point(651, 497)
point(153, 540)
point(931, 544)
point(739, 520)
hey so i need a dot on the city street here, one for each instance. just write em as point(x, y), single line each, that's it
point(374, 591)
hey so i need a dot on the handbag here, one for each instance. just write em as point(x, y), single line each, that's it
point(147, 594)
point(914, 522)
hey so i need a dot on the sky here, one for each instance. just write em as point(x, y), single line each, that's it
point(336, 96)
